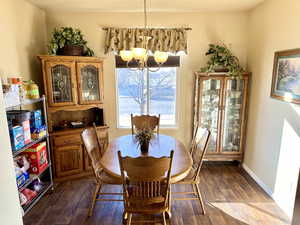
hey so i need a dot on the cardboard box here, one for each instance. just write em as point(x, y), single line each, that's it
point(39, 132)
point(35, 120)
point(17, 137)
point(26, 129)
point(37, 157)
point(22, 179)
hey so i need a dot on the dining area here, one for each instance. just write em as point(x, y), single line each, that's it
point(146, 175)
point(167, 183)
point(162, 183)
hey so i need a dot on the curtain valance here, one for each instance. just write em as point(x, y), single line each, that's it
point(168, 40)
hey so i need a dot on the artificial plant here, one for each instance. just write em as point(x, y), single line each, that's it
point(68, 36)
point(221, 56)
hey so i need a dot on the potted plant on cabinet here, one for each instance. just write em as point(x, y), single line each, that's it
point(143, 136)
point(222, 60)
point(68, 41)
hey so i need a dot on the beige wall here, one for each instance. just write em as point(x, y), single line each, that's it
point(274, 126)
point(22, 36)
point(230, 28)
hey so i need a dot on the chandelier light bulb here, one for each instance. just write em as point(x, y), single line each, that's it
point(139, 53)
point(161, 57)
point(126, 55)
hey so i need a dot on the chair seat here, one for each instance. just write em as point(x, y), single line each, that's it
point(147, 209)
point(107, 178)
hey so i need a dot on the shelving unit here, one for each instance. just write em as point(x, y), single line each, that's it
point(47, 172)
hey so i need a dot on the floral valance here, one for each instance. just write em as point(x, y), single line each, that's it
point(168, 40)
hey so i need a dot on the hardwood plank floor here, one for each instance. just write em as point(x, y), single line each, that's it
point(231, 196)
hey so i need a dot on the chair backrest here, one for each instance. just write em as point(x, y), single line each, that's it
point(146, 180)
point(93, 146)
point(145, 121)
point(199, 147)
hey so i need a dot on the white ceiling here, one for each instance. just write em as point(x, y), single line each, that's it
point(152, 5)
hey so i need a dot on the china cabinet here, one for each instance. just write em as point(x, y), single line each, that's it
point(221, 106)
point(74, 89)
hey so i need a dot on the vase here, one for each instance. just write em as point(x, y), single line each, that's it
point(145, 147)
point(71, 50)
point(220, 69)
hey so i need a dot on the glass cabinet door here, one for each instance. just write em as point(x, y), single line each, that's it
point(233, 111)
point(90, 80)
point(61, 83)
point(210, 97)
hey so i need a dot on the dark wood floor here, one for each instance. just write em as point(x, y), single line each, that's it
point(232, 198)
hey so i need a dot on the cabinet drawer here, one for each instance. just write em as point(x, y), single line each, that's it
point(67, 140)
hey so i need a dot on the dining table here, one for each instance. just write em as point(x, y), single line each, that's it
point(160, 145)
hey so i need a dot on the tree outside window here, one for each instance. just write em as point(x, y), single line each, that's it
point(145, 92)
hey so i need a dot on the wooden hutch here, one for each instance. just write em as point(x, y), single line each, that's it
point(74, 89)
point(221, 106)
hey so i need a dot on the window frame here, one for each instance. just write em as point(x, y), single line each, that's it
point(175, 126)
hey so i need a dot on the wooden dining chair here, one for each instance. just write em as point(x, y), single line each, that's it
point(198, 149)
point(145, 121)
point(95, 149)
point(146, 185)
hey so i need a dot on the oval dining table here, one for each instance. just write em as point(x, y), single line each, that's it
point(160, 145)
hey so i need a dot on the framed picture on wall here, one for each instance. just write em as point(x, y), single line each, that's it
point(286, 76)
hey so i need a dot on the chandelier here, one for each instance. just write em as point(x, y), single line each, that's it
point(140, 55)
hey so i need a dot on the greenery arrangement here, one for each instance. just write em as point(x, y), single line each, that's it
point(68, 36)
point(144, 136)
point(222, 58)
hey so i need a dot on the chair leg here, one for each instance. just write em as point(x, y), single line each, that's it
point(129, 219)
point(194, 189)
point(164, 218)
point(200, 198)
point(97, 189)
point(169, 204)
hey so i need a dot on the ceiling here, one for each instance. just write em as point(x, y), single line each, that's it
point(152, 5)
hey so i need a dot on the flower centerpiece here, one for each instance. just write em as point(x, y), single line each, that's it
point(143, 136)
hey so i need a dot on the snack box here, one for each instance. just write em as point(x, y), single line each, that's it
point(22, 179)
point(37, 157)
point(36, 119)
point(17, 137)
point(26, 130)
point(39, 132)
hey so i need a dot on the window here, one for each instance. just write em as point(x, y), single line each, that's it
point(145, 92)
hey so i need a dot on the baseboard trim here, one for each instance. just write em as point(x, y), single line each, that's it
point(258, 180)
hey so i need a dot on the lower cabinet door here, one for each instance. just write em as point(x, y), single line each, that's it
point(68, 160)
